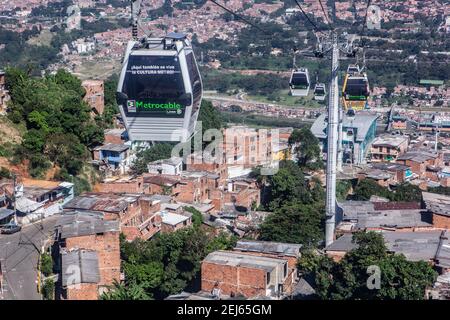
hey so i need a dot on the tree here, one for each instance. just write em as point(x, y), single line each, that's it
point(288, 184)
point(122, 292)
point(294, 222)
point(58, 121)
point(347, 279)
point(168, 264)
point(368, 187)
point(406, 192)
point(306, 148)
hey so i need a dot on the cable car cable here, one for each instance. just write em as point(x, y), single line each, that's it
point(307, 18)
point(239, 17)
point(326, 16)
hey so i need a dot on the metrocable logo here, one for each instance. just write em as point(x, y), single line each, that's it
point(170, 106)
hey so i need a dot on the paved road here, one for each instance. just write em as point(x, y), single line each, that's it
point(19, 255)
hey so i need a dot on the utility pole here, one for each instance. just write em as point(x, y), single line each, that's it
point(332, 138)
point(14, 197)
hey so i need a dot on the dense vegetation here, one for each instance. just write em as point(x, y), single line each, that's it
point(297, 206)
point(59, 125)
point(405, 192)
point(168, 264)
point(306, 149)
point(348, 279)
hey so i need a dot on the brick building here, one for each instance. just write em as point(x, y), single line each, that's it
point(287, 251)
point(425, 164)
point(439, 206)
point(388, 148)
point(88, 251)
point(172, 222)
point(95, 95)
point(115, 136)
point(137, 213)
point(249, 275)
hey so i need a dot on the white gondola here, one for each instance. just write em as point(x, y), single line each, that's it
point(353, 69)
point(320, 92)
point(299, 83)
point(160, 89)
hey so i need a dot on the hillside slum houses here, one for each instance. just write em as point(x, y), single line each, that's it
point(35, 199)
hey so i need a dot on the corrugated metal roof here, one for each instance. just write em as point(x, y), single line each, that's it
point(437, 203)
point(79, 266)
point(287, 249)
point(75, 224)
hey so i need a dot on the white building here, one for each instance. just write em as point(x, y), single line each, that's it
point(171, 166)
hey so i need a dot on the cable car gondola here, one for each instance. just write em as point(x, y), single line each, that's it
point(160, 89)
point(320, 92)
point(355, 90)
point(299, 83)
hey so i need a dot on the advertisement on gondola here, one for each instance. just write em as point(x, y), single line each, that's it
point(154, 87)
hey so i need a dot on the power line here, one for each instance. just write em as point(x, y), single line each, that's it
point(365, 17)
point(309, 20)
point(239, 16)
point(326, 15)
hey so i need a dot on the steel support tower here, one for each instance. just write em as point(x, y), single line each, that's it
point(332, 145)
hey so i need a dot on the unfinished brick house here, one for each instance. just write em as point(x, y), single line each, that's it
point(87, 251)
point(115, 136)
point(160, 184)
point(196, 162)
point(137, 213)
point(172, 222)
point(423, 163)
point(249, 275)
point(95, 95)
point(439, 207)
point(121, 185)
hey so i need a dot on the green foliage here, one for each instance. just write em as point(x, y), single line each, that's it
point(46, 264)
point(347, 280)
point(48, 289)
point(5, 173)
point(122, 292)
point(209, 116)
point(197, 218)
point(298, 206)
point(58, 121)
point(306, 148)
point(440, 190)
point(402, 193)
point(143, 158)
point(342, 189)
point(368, 187)
point(288, 184)
point(294, 222)
point(167, 264)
